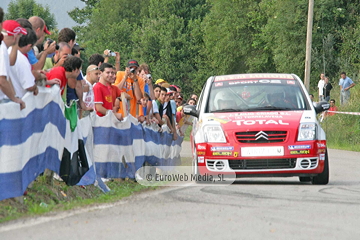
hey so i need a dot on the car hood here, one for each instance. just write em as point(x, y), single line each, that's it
point(248, 121)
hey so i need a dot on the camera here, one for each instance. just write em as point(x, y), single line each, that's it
point(148, 76)
point(111, 54)
point(49, 41)
point(132, 70)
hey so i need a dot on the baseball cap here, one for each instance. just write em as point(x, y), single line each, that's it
point(12, 28)
point(180, 97)
point(132, 63)
point(46, 30)
point(77, 47)
point(160, 81)
point(169, 91)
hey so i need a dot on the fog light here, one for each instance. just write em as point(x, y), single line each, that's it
point(219, 165)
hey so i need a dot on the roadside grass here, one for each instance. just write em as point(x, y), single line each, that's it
point(43, 198)
point(343, 130)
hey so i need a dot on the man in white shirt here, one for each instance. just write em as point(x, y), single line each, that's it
point(10, 32)
point(21, 75)
point(321, 84)
point(92, 77)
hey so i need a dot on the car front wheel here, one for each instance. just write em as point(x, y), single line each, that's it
point(322, 178)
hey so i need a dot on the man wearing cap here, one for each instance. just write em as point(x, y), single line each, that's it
point(11, 32)
point(160, 82)
point(22, 78)
point(130, 82)
point(38, 60)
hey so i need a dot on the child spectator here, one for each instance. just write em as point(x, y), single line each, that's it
point(191, 101)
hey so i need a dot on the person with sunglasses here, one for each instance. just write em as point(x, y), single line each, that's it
point(92, 76)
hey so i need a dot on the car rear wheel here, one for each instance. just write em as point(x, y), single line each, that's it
point(322, 178)
point(305, 179)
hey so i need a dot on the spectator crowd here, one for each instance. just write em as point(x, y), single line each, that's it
point(28, 61)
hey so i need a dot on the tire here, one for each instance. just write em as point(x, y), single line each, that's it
point(322, 178)
point(195, 169)
point(305, 179)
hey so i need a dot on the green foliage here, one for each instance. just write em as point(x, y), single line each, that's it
point(343, 130)
point(185, 42)
point(29, 8)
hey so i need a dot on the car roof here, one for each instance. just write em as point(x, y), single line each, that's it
point(248, 76)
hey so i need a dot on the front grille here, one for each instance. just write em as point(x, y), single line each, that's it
point(251, 164)
point(261, 136)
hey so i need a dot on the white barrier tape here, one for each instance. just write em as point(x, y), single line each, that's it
point(350, 113)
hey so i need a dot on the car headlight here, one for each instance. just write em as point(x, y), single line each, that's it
point(307, 131)
point(214, 134)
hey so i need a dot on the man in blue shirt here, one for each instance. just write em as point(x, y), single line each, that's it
point(345, 84)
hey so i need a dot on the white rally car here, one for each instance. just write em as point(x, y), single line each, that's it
point(257, 125)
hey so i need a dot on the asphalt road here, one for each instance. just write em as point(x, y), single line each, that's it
point(262, 208)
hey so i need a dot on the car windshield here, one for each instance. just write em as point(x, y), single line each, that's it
point(256, 95)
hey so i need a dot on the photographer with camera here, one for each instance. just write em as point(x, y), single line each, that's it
point(38, 25)
point(60, 56)
point(144, 73)
point(108, 53)
point(130, 82)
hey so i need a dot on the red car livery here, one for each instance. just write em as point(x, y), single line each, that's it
point(257, 125)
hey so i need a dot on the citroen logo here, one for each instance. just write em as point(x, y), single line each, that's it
point(261, 134)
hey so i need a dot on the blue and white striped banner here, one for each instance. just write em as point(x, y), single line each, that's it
point(33, 139)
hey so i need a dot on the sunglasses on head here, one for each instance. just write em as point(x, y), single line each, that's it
point(95, 68)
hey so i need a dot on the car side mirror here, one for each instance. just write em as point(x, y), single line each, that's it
point(191, 110)
point(322, 106)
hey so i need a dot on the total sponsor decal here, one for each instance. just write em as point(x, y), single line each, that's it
point(224, 148)
point(300, 152)
point(201, 147)
point(322, 157)
point(201, 159)
point(222, 153)
point(200, 153)
point(293, 147)
point(260, 122)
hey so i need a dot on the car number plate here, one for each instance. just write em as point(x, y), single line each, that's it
point(262, 151)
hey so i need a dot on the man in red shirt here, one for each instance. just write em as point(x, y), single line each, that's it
point(65, 74)
point(332, 108)
point(104, 93)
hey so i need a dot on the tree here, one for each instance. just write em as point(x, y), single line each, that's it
point(27, 9)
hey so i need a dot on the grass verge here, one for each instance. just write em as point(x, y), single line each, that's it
point(343, 130)
point(43, 198)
